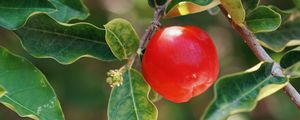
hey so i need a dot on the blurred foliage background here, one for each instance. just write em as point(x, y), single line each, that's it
point(84, 94)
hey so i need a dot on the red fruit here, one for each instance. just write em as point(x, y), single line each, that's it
point(180, 62)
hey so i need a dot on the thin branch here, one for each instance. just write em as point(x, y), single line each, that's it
point(293, 94)
point(250, 39)
point(158, 13)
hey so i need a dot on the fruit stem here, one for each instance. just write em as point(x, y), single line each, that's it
point(250, 39)
point(158, 13)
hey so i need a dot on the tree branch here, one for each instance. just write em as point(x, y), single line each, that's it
point(158, 13)
point(250, 39)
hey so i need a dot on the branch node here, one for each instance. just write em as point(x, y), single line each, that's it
point(156, 24)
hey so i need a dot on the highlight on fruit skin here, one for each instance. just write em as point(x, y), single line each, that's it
point(180, 62)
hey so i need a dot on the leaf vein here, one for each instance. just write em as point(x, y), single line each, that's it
point(132, 95)
point(64, 35)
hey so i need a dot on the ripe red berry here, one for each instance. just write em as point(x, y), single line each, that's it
point(180, 62)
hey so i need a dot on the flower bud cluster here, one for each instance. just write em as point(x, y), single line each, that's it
point(115, 77)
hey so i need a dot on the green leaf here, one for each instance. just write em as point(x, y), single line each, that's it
point(297, 4)
point(235, 9)
point(15, 13)
point(121, 38)
point(290, 58)
point(250, 4)
point(285, 14)
point(130, 101)
point(240, 92)
point(68, 10)
point(43, 37)
point(293, 71)
point(25, 90)
point(263, 19)
point(287, 35)
point(291, 62)
point(185, 7)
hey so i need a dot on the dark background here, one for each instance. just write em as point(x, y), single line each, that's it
point(84, 94)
